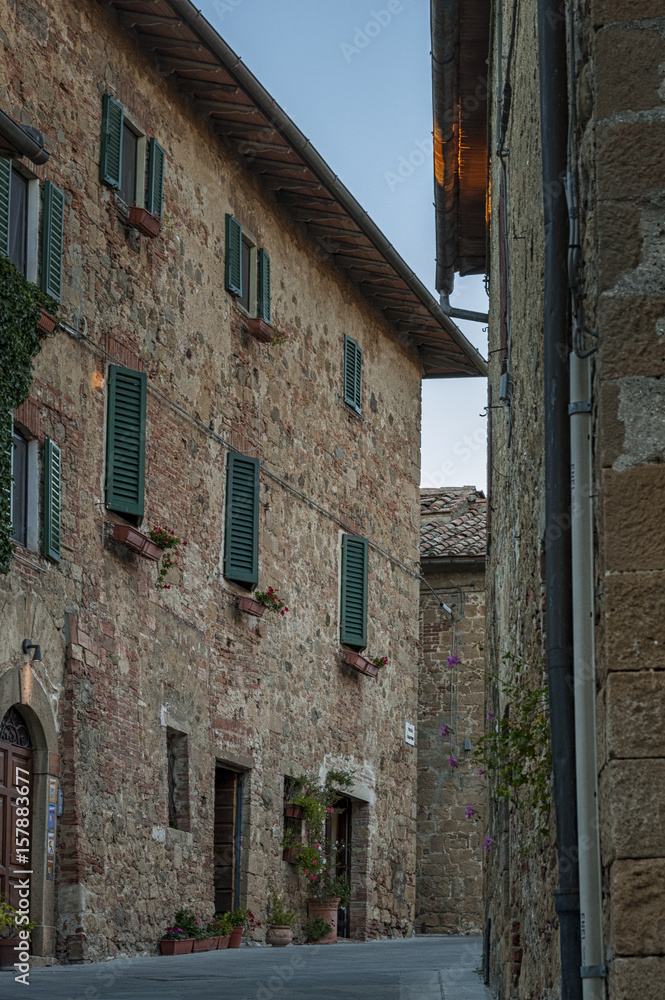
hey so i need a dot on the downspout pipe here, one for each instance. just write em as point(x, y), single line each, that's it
point(469, 314)
point(558, 568)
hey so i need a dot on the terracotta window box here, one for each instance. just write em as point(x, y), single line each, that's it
point(144, 221)
point(251, 607)
point(136, 541)
point(293, 812)
point(290, 854)
point(181, 947)
point(46, 323)
point(260, 329)
point(361, 663)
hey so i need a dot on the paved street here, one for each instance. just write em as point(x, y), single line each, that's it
point(434, 968)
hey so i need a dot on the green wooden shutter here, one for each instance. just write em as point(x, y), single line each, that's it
point(233, 255)
point(110, 164)
point(241, 539)
point(264, 286)
point(155, 178)
point(52, 233)
point(353, 367)
point(5, 189)
point(354, 591)
point(52, 502)
point(125, 444)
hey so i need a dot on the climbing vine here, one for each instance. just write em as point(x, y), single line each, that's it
point(516, 753)
point(20, 304)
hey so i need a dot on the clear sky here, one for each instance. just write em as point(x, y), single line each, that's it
point(355, 76)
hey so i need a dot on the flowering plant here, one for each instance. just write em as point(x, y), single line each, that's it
point(278, 914)
point(221, 924)
point(319, 864)
point(280, 336)
point(270, 599)
point(380, 661)
point(186, 925)
point(244, 918)
point(174, 934)
point(165, 540)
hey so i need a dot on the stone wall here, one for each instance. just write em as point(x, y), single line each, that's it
point(449, 882)
point(124, 661)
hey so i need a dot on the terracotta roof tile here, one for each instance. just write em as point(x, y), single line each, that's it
point(453, 522)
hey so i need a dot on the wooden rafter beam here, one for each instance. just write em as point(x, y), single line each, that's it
point(152, 42)
point(128, 19)
point(179, 64)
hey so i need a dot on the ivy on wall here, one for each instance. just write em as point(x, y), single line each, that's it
point(20, 305)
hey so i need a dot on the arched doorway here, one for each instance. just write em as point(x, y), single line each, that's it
point(16, 771)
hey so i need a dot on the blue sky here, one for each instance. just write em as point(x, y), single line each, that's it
point(355, 77)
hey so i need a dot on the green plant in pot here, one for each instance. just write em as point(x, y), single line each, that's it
point(221, 926)
point(317, 929)
point(241, 919)
point(280, 920)
point(15, 928)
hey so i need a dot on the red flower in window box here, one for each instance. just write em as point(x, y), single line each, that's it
point(250, 606)
point(144, 221)
point(361, 663)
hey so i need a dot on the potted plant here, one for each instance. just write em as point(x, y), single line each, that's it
point(271, 600)
point(14, 927)
point(144, 221)
point(316, 929)
point(239, 920)
point(136, 541)
point(290, 845)
point(363, 665)
point(174, 941)
point(250, 606)
point(259, 329)
point(164, 540)
point(191, 928)
point(280, 920)
point(221, 925)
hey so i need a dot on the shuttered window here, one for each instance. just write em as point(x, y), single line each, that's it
point(125, 447)
point(54, 215)
point(353, 374)
point(264, 286)
point(354, 591)
point(110, 164)
point(5, 194)
point(241, 539)
point(52, 500)
point(233, 255)
point(155, 178)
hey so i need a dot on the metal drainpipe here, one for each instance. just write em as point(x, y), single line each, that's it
point(558, 570)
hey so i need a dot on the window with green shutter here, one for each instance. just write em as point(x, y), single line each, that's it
point(110, 164)
point(233, 255)
point(155, 178)
point(353, 612)
point(52, 500)
point(241, 538)
point(52, 235)
point(125, 443)
point(5, 197)
point(353, 374)
point(264, 286)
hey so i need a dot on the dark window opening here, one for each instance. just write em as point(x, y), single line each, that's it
point(20, 490)
point(177, 780)
point(244, 297)
point(338, 829)
point(128, 174)
point(18, 222)
point(227, 838)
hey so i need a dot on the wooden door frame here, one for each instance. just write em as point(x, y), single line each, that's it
point(21, 687)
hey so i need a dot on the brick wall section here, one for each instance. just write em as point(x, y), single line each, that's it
point(122, 660)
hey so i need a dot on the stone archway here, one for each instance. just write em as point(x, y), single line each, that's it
point(21, 691)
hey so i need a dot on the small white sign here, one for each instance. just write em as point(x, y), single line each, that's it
point(410, 734)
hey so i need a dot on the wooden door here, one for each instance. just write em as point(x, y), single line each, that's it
point(227, 834)
point(15, 752)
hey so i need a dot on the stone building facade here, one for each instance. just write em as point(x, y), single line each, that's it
point(161, 723)
point(451, 696)
point(612, 55)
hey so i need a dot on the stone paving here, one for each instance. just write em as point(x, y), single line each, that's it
point(431, 968)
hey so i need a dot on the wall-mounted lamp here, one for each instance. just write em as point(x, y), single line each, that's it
point(28, 645)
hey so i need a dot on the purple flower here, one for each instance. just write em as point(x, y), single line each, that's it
point(453, 661)
point(490, 715)
point(453, 763)
point(487, 843)
point(444, 730)
point(469, 812)
point(480, 772)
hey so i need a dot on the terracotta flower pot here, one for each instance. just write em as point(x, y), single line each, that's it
point(179, 947)
point(46, 322)
point(136, 541)
point(200, 944)
point(144, 221)
point(259, 329)
point(236, 937)
point(294, 812)
point(250, 606)
point(151, 551)
point(361, 663)
point(290, 854)
point(279, 936)
point(222, 942)
point(327, 910)
point(7, 953)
